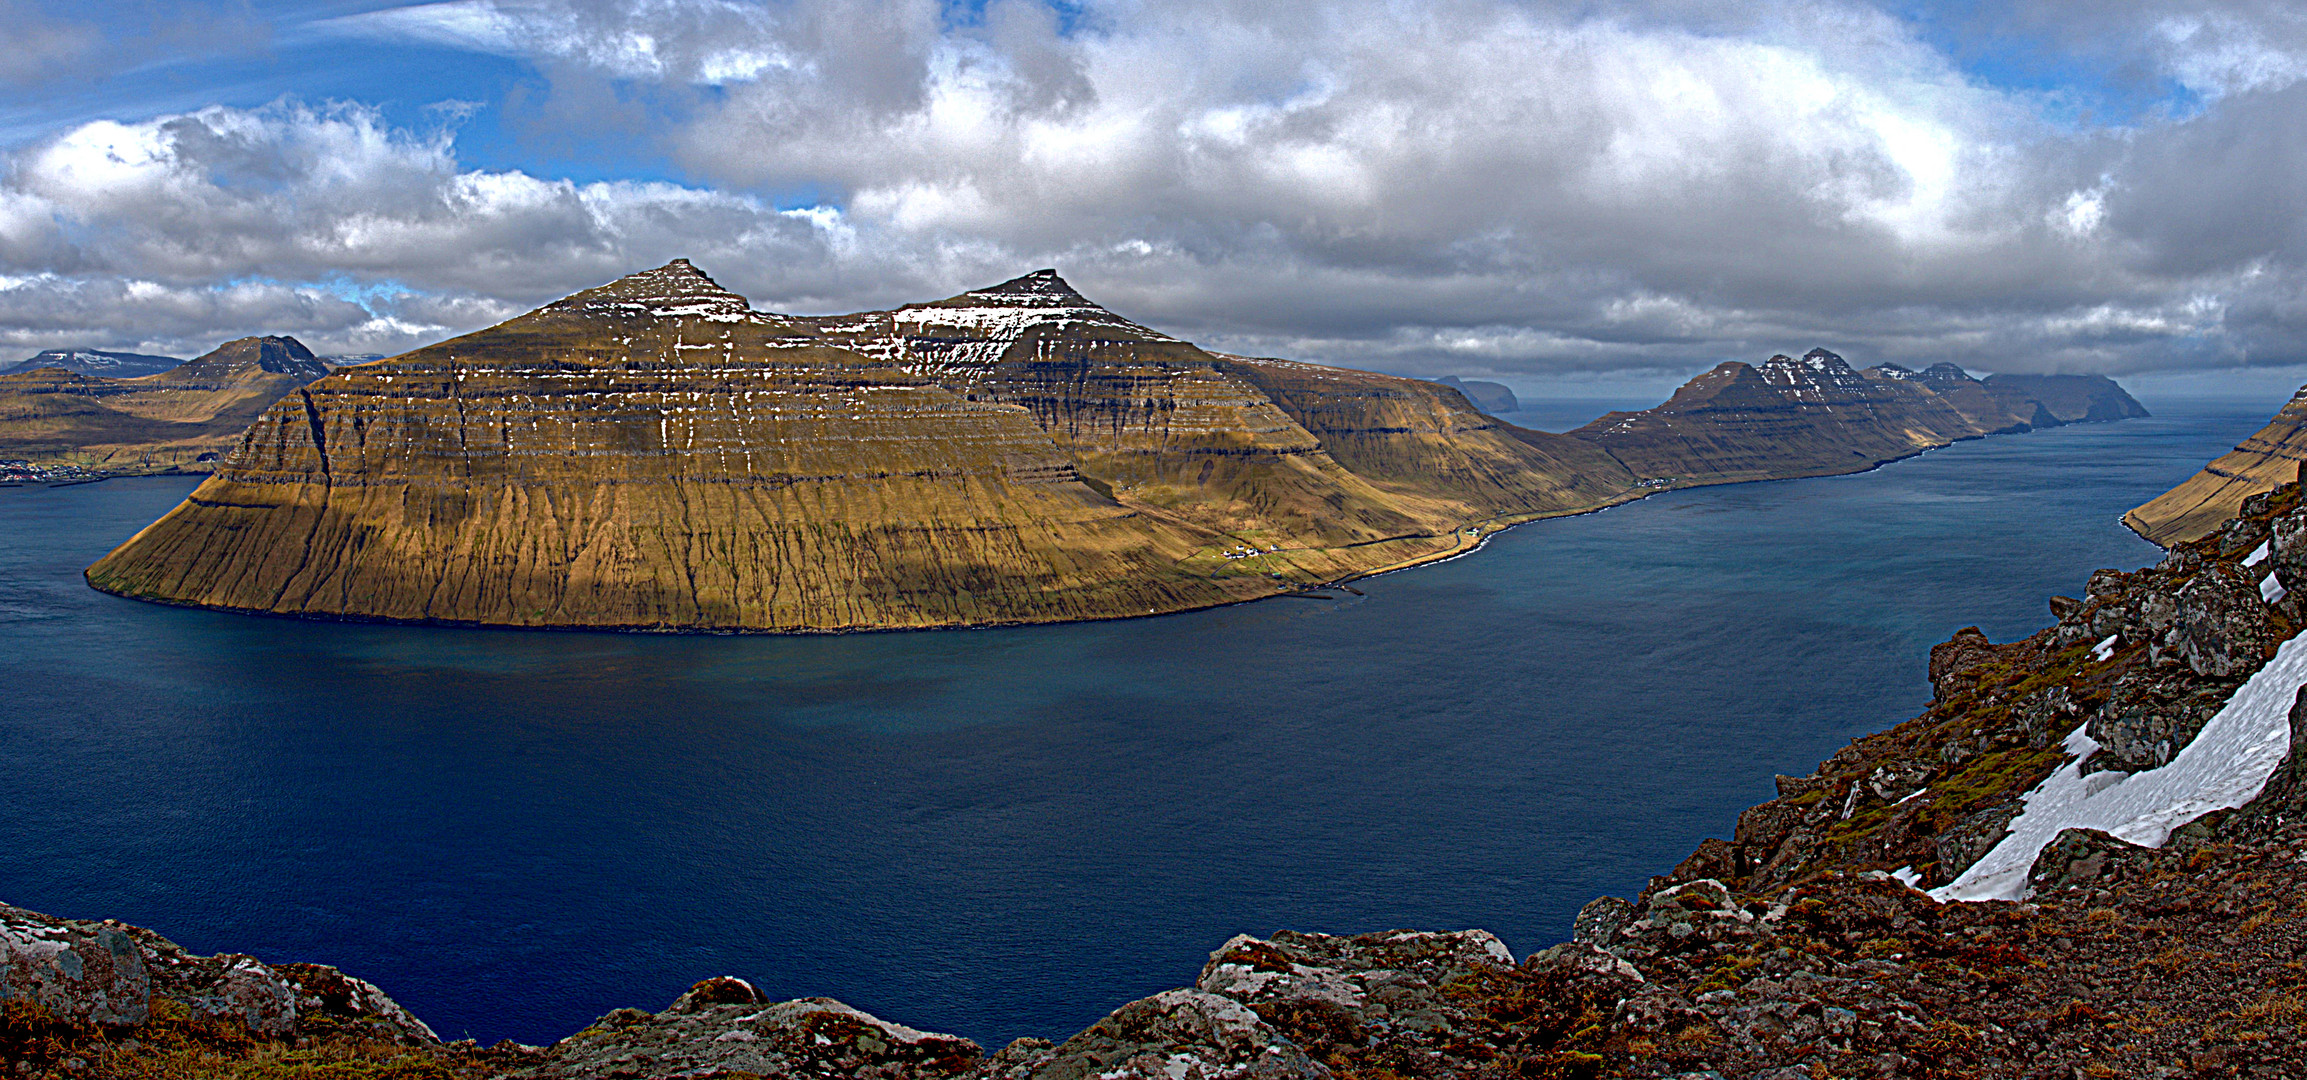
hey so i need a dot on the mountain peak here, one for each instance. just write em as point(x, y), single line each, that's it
point(1945, 372)
point(276, 353)
point(1040, 289)
point(674, 290)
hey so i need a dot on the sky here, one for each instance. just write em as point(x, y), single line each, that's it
point(1572, 194)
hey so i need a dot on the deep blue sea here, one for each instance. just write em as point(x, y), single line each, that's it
point(1004, 832)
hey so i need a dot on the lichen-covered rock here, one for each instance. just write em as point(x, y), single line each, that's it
point(707, 1032)
point(91, 972)
point(1180, 1035)
point(2223, 629)
point(2084, 857)
point(109, 975)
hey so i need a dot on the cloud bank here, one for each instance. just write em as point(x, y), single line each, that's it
point(1462, 186)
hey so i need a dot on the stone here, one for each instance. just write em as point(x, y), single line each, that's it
point(1600, 920)
point(1179, 1034)
point(2223, 629)
point(808, 1037)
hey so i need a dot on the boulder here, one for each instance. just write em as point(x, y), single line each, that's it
point(712, 1031)
point(1178, 1034)
point(2223, 627)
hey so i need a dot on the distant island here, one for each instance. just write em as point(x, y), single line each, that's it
point(104, 363)
point(1818, 416)
point(655, 454)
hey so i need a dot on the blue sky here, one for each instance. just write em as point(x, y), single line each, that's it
point(1599, 192)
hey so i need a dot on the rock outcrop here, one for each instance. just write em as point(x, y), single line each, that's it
point(654, 454)
point(186, 417)
point(2202, 502)
point(1818, 416)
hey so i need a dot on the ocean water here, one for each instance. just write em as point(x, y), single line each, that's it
point(1004, 832)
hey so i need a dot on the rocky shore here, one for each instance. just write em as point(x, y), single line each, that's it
point(1808, 944)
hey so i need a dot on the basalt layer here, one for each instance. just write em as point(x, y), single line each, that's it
point(655, 454)
point(1818, 416)
point(2190, 511)
point(186, 417)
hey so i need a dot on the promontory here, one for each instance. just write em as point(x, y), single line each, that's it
point(656, 454)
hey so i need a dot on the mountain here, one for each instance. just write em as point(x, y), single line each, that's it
point(1818, 416)
point(654, 453)
point(1490, 397)
point(2067, 399)
point(2271, 456)
point(181, 418)
point(100, 362)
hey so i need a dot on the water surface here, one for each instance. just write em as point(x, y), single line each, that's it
point(1007, 832)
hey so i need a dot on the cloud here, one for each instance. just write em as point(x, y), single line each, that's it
point(1458, 185)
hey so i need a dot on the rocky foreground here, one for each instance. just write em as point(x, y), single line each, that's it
point(1808, 945)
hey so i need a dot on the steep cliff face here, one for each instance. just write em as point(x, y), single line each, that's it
point(656, 454)
point(184, 417)
point(1817, 416)
point(2271, 456)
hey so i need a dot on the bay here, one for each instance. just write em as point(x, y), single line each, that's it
point(1004, 832)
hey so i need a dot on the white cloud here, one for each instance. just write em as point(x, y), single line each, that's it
point(1409, 186)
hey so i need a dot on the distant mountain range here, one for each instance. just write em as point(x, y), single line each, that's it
point(1818, 416)
point(180, 418)
point(100, 362)
point(654, 453)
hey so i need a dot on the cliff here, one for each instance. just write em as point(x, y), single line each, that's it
point(2084, 858)
point(655, 454)
point(1489, 397)
point(1818, 416)
point(2271, 456)
point(185, 417)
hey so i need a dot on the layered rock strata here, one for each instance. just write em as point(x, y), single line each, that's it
point(655, 454)
point(184, 418)
point(1818, 416)
point(2199, 504)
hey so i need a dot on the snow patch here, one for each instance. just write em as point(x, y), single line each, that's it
point(2270, 589)
point(2105, 649)
point(2258, 554)
point(2225, 767)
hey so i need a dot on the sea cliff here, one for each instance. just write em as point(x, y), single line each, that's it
point(654, 454)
